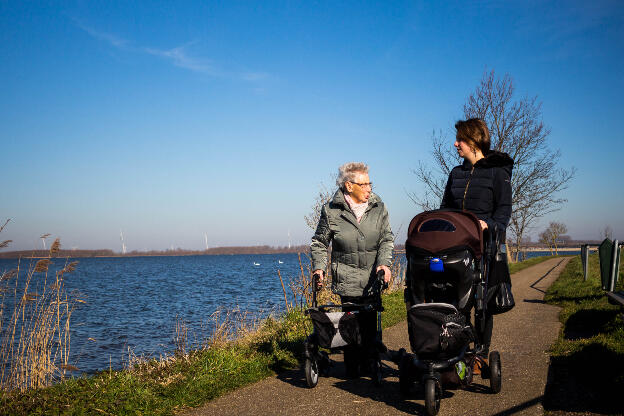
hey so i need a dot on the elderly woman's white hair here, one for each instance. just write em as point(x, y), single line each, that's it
point(348, 171)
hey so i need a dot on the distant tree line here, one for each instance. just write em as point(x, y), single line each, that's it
point(61, 253)
point(175, 252)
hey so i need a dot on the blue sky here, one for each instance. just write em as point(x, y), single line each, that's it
point(174, 119)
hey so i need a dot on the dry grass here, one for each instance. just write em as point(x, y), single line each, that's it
point(301, 285)
point(35, 336)
point(224, 328)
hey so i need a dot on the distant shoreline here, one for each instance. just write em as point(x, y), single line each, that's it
point(102, 253)
point(216, 251)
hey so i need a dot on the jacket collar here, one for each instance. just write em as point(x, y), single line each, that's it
point(492, 159)
point(339, 199)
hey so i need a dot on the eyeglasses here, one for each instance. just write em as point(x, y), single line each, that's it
point(363, 185)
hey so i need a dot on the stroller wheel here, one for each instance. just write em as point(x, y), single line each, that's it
point(433, 395)
point(311, 372)
point(405, 376)
point(495, 372)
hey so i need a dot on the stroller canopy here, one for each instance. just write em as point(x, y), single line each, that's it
point(442, 230)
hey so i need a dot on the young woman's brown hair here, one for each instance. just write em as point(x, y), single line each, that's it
point(475, 133)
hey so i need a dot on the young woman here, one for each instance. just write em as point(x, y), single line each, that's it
point(481, 185)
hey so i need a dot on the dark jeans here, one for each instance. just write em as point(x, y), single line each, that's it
point(359, 356)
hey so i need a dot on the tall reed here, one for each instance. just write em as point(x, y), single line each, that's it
point(35, 335)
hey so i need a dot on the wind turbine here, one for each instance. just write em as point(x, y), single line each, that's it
point(123, 244)
point(289, 238)
point(206, 239)
point(43, 237)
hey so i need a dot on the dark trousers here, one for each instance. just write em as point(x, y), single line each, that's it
point(359, 356)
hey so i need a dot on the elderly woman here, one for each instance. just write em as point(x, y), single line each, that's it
point(355, 222)
point(481, 185)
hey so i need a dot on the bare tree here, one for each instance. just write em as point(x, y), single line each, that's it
point(544, 238)
point(323, 196)
point(516, 128)
point(553, 235)
point(555, 230)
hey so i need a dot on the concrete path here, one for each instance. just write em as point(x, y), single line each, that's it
point(522, 336)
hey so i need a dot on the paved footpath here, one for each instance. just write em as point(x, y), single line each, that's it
point(522, 336)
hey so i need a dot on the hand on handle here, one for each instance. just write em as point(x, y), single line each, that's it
point(384, 273)
point(318, 276)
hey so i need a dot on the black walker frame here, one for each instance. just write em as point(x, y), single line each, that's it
point(317, 361)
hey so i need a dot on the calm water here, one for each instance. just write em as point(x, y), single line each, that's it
point(133, 302)
point(530, 254)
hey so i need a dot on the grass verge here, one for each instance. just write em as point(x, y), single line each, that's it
point(586, 371)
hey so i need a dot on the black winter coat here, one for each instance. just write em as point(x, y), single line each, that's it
point(483, 189)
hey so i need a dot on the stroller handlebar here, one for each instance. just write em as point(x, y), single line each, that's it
point(492, 239)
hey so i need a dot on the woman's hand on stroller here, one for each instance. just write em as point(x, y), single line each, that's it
point(318, 276)
point(484, 225)
point(387, 273)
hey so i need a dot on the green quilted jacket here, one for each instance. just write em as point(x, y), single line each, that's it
point(357, 249)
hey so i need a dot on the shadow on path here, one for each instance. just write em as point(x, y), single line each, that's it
point(520, 407)
point(582, 382)
point(544, 276)
point(388, 393)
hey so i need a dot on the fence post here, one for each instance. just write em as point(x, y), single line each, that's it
point(615, 266)
point(605, 253)
point(585, 260)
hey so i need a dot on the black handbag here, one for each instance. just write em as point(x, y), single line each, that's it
point(499, 296)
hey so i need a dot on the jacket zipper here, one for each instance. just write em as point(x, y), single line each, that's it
point(466, 189)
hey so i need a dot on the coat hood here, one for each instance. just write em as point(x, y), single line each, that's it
point(494, 159)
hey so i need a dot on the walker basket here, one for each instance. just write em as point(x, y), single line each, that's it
point(335, 329)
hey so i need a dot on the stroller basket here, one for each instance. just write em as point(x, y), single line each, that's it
point(437, 330)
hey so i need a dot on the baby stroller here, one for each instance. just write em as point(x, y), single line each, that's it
point(336, 327)
point(447, 274)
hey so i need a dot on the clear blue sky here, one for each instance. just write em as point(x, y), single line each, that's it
point(174, 119)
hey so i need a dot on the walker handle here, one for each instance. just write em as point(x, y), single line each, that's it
point(380, 278)
point(316, 277)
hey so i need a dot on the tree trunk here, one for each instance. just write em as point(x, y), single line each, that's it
point(509, 259)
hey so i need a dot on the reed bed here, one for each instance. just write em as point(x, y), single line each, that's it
point(35, 315)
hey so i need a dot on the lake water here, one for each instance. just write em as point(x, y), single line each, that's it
point(531, 254)
point(132, 302)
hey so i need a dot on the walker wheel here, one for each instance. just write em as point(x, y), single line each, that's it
point(433, 395)
point(311, 372)
point(495, 372)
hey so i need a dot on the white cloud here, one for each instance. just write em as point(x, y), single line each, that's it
point(181, 58)
point(106, 37)
point(178, 56)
